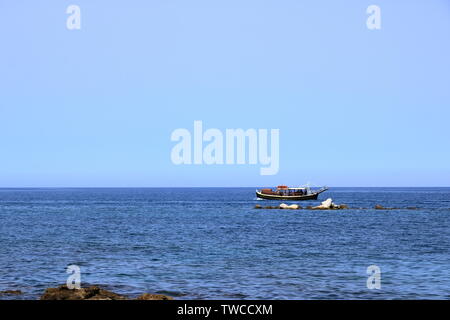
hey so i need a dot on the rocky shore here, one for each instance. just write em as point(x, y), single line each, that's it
point(94, 293)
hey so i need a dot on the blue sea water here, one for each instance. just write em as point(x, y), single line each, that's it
point(210, 243)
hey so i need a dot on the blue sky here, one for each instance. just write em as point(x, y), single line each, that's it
point(96, 106)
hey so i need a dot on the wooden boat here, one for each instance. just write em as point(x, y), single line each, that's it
point(286, 193)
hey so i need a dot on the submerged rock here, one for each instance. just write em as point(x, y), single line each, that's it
point(93, 293)
point(10, 292)
point(379, 207)
point(150, 296)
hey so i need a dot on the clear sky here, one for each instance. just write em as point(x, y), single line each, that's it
point(97, 106)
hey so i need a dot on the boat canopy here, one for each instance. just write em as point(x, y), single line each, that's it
point(290, 188)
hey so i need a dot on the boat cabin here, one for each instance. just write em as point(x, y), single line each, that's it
point(286, 191)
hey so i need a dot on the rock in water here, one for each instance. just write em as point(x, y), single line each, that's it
point(90, 293)
point(328, 205)
point(149, 296)
point(93, 293)
point(292, 206)
point(10, 292)
point(379, 207)
point(325, 204)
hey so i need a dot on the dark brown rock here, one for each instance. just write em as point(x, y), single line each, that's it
point(90, 293)
point(10, 292)
point(93, 293)
point(149, 296)
point(378, 207)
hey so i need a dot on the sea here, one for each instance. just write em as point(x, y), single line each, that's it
point(211, 243)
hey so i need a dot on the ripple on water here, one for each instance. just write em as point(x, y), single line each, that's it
point(211, 244)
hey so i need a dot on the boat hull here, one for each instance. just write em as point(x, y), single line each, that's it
point(312, 196)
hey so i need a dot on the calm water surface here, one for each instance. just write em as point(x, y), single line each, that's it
point(209, 243)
